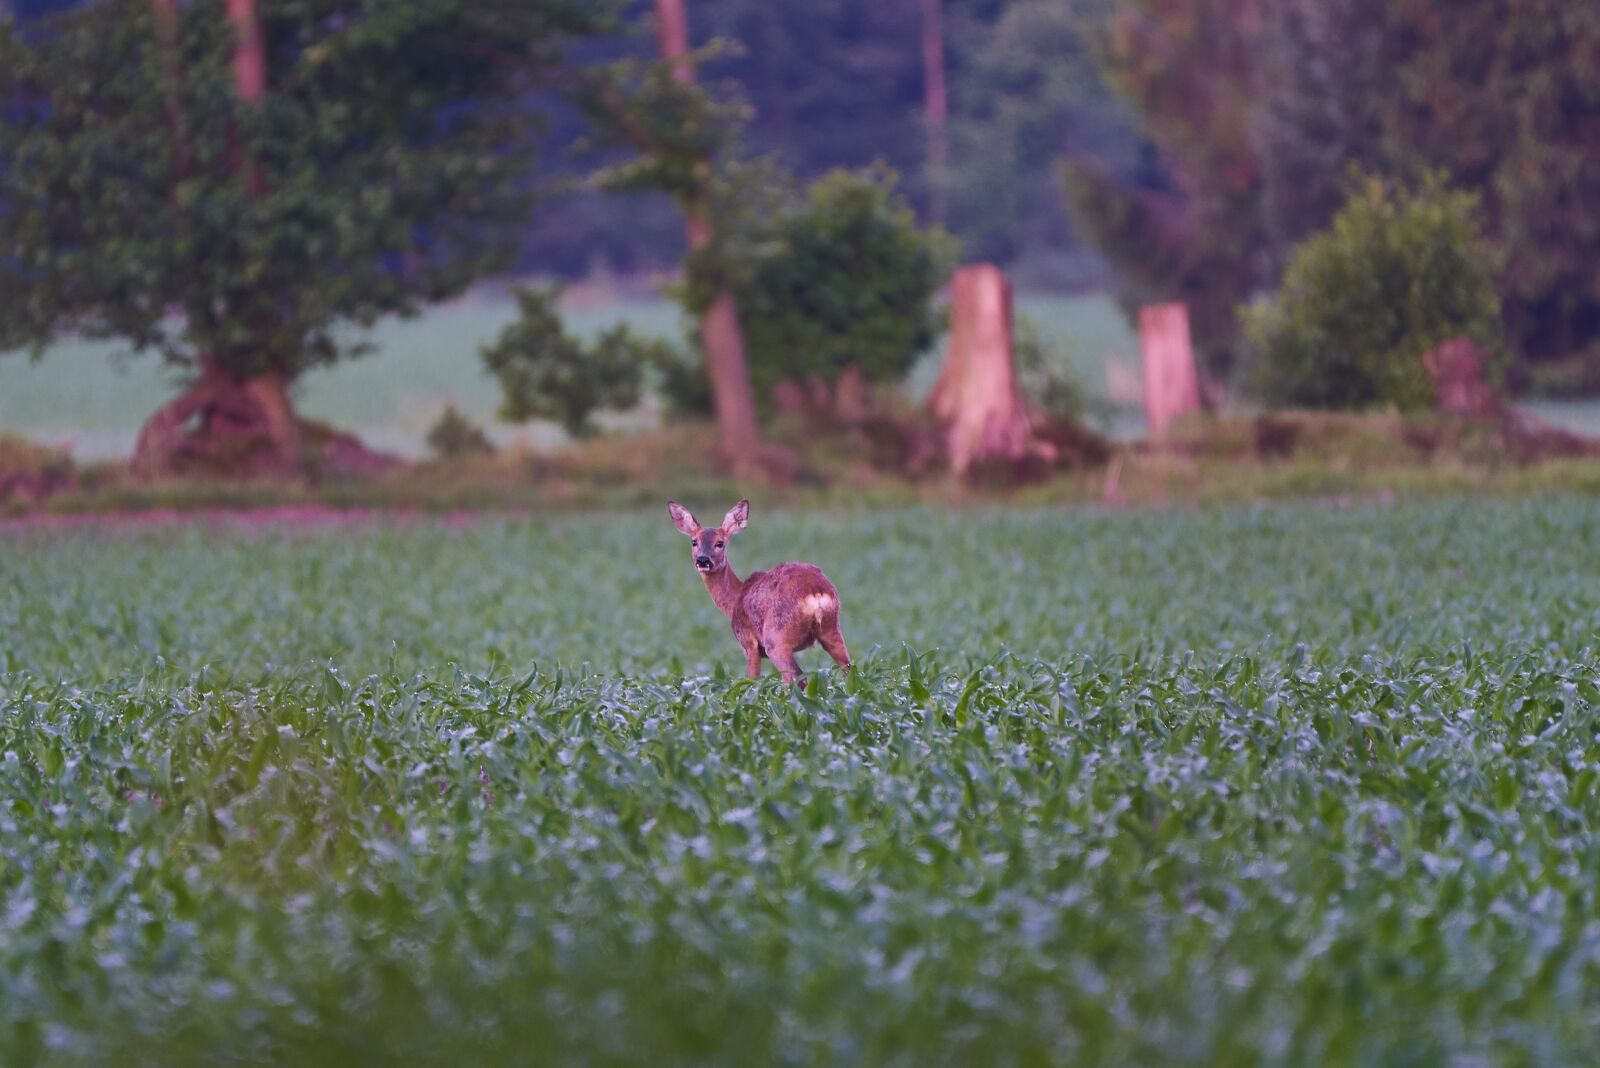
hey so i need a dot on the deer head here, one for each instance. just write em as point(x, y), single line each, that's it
point(709, 545)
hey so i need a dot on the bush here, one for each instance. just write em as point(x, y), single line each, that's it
point(453, 434)
point(1048, 380)
point(679, 377)
point(1396, 274)
point(840, 276)
point(546, 373)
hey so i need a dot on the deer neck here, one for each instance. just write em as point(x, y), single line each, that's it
point(725, 588)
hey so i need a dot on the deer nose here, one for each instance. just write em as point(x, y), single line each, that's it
point(702, 561)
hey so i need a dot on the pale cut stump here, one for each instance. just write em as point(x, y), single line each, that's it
point(1171, 386)
point(976, 400)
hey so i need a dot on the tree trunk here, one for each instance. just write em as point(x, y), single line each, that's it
point(249, 75)
point(976, 398)
point(719, 325)
point(935, 110)
point(270, 392)
point(1171, 387)
point(162, 438)
point(222, 425)
point(1460, 386)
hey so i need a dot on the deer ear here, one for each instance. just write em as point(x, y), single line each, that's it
point(736, 518)
point(682, 519)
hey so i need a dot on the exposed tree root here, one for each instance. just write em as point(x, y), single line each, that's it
point(228, 427)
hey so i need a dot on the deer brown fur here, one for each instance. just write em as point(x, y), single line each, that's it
point(775, 613)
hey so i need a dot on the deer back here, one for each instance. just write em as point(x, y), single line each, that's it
point(789, 595)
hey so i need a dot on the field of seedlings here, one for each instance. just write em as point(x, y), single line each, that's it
point(1293, 784)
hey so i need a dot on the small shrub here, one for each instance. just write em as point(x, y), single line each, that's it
point(839, 277)
point(546, 373)
point(679, 377)
point(1046, 376)
point(1396, 274)
point(453, 435)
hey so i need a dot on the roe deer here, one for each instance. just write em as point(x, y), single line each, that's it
point(774, 613)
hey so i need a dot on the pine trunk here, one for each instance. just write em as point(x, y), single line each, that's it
point(726, 367)
point(976, 399)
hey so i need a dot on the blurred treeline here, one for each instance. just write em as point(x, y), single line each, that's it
point(840, 83)
point(1181, 148)
point(1160, 148)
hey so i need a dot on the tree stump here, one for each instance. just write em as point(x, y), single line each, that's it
point(1456, 368)
point(1171, 387)
point(976, 399)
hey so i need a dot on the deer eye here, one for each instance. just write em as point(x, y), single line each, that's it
point(719, 544)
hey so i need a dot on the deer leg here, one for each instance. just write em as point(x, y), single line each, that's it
point(752, 661)
point(784, 659)
point(831, 639)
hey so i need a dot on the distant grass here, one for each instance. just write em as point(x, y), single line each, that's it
point(1283, 785)
point(82, 393)
point(1208, 460)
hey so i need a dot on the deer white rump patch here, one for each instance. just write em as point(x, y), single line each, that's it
point(818, 603)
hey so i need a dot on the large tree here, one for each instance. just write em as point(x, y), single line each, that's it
point(236, 187)
point(683, 142)
point(1191, 71)
point(1262, 112)
point(1504, 95)
point(1029, 91)
point(842, 83)
point(720, 333)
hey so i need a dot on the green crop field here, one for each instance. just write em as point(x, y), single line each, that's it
point(1281, 785)
point(89, 396)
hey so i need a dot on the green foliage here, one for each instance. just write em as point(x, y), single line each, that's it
point(1395, 275)
point(1504, 97)
point(387, 166)
point(679, 376)
point(834, 277)
point(453, 434)
point(1048, 379)
point(1026, 90)
point(745, 201)
point(838, 83)
point(1193, 229)
point(675, 130)
point(546, 373)
point(1260, 109)
point(844, 278)
point(412, 792)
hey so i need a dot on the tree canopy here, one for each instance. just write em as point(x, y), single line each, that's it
point(378, 160)
point(1261, 112)
point(387, 170)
